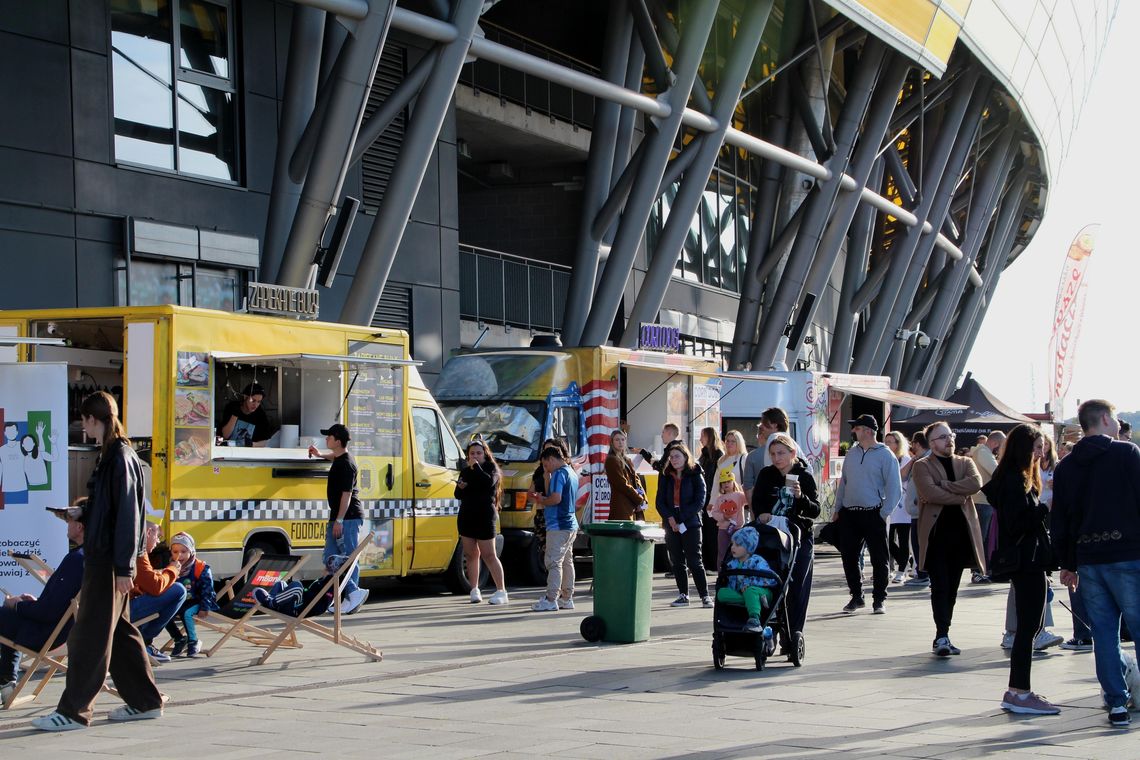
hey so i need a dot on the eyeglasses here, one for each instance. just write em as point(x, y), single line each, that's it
point(948, 436)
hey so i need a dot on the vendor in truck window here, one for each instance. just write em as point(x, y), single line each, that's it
point(243, 420)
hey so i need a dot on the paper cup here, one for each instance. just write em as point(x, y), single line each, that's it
point(290, 436)
point(790, 480)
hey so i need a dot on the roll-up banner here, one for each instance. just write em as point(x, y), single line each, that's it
point(33, 469)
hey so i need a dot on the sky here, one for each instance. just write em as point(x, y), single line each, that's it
point(1097, 184)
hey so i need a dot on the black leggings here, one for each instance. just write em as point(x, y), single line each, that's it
point(899, 540)
point(1029, 589)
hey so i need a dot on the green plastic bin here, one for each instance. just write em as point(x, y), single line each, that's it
point(623, 580)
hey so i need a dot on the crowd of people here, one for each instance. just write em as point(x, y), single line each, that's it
point(1008, 509)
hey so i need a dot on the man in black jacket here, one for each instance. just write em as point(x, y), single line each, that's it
point(1096, 534)
point(28, 620)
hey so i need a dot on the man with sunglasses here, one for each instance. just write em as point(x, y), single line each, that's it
point(949, 533)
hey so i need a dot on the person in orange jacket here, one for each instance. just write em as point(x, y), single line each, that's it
point(156, 592)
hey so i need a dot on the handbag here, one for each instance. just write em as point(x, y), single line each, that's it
point(1005, 562)
point(829, 534)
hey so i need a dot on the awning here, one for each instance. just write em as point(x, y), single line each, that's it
point(326, 362)
point(898, 398)
point(682, 369)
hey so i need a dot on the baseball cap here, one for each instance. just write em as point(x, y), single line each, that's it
point(865, 420)
point(338, 431)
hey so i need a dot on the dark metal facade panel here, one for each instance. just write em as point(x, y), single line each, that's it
point(378, 160)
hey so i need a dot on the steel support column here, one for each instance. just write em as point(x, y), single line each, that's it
point(396, 101)
point(301, 77)
point(942, 197)
point(859, 239)
point(1001, 237)
point(644, 192)
point(664, 258)
point(598, 183)
point(407, 175)
point(353, 81)
point(903, 250)
point(820, 204)
point(953, 279)
point(894, 72)
point(623, 142)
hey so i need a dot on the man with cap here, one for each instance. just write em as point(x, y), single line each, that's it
point(244, 421)
point(869, 489)
point(28, 620)
point(346, 518)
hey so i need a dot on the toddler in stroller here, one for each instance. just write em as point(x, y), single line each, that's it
point(750, 599)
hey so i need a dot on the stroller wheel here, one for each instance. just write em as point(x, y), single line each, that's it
point(798, 649)
point(592, 628)
point(760, 662)
point(718, 653)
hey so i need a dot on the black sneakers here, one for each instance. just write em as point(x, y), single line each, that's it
point(855, 604)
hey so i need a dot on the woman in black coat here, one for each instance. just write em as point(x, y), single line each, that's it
point(102, 639)
point(798, 503)
point(478, 490)
point(681, 503)
point(1013, 491)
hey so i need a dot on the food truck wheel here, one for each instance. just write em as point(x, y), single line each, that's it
point(455, 577)
point(536, 564)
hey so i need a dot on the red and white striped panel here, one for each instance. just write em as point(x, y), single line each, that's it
point(600, 407)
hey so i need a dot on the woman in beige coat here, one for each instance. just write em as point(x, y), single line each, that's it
point(949, 533)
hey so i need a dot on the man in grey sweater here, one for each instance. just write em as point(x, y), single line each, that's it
point(869, 489)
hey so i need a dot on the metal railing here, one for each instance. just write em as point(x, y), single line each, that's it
point(533, 93)
point(511, 290)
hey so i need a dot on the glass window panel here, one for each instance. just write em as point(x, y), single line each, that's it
point(204, 39)
point(140, 52)
point(217, 290)
point(152, 283)
point(206, 132)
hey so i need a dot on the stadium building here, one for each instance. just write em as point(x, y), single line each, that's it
point(833, 184)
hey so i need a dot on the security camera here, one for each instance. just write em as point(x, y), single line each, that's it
point(922, 340)
point(52, 328)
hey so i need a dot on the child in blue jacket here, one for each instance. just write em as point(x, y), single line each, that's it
point(200, 598)
point(750, 590)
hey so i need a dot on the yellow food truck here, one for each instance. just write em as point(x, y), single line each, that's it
point(516, 398)
point(175, 369)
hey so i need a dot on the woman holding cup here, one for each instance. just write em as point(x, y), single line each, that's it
point(785, 494)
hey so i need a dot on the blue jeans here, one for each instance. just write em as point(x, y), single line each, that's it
point(1081, 631)
point(346, 544)
point(165, 604)
point(986, 519)
point(1110, 591)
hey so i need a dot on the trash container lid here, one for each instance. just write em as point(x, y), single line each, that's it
point(626, 529)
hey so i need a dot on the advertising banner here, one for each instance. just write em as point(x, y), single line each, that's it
point(1071, 292)
point(33, 469)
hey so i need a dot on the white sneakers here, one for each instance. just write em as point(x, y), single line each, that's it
point(898, 577)
point(353, 601)
point(1007, 640)
point(126, 712)
point(565, 604)
point(1045, 639)
point(56, 722)
point(544, 605)
point(499, 597)
point(476, 595)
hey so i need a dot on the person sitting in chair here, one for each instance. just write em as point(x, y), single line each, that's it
point(28, 620)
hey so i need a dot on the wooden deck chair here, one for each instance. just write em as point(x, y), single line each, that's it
point(43, 656)
point(262, 571)
point(34, 565)
point(337, 580)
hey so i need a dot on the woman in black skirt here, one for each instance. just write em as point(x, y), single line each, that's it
point(478, 490)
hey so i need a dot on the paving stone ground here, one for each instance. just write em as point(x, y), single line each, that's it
point(461, 680)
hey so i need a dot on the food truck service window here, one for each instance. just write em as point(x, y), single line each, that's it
point(302, 394)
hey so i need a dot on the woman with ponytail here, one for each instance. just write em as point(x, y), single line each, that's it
point(102, 640)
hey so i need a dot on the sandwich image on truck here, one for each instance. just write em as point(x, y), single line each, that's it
point(514, 399)
point(222, 408)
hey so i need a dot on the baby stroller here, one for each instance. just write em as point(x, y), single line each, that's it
point(729, 637)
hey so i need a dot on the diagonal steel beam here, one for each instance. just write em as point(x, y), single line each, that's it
point(820, 202)
point(644, 192)
point(616, 57)
point(301, 76)
point(404, 185)
point(361, 55)
point(664, 257)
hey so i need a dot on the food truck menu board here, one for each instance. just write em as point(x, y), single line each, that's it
point(375, 403)
point(193, 417)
